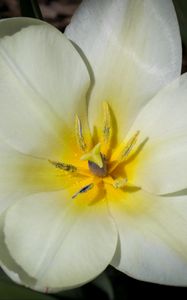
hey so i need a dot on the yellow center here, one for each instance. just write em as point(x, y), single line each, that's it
point(98, 165)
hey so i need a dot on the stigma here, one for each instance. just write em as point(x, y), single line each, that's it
point(96, 161)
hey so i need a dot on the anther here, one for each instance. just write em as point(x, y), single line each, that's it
point(122, 153)
point(85, 189)
point(119, 183)
point(107, 128)
point(63, 166)
point(129, 146)
point(79, 134)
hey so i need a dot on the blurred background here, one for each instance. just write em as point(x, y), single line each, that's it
point(112, 284)
point(57, 12)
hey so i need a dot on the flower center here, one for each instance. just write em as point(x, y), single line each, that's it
point(103, 162)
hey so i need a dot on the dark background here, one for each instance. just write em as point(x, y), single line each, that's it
point(112, 285)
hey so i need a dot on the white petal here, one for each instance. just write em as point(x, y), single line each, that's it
point(13, 270)
point(133, 48)
point(161, 165)
point(153, 237)
point(7, 262)
point(21, 175)
point(43, 85)
point(58, 242)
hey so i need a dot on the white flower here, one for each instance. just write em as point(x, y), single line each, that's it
point(92, 153)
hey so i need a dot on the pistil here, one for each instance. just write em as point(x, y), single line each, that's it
point(94, 156)
point(96, 170)
point(96, 161)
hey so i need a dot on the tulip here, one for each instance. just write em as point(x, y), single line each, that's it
point(93, 133)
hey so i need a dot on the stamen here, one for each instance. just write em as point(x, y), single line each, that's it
point(79, 134)
point(119, 183)
point(123, 151)
point(107, 123)
point(63, 166)
point(129, 146)
point(116, 183)
point(107, 128)
point(83, 190)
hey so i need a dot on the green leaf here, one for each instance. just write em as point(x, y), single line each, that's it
point(30, 8)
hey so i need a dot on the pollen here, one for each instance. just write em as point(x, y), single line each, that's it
point(102, 165)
